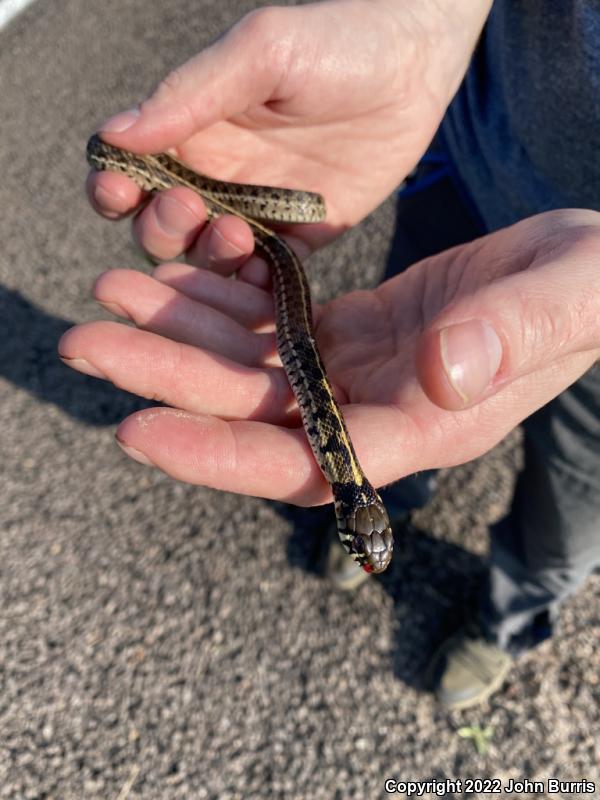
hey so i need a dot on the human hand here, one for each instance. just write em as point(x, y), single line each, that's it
point(339, 97)
point(432, 368)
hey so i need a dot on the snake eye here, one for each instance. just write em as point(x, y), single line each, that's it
point(358, 544)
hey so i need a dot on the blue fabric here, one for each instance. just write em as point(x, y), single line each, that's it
point(523, 131)
point(421, 183)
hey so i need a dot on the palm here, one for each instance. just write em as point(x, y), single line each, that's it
point(261, 147)
point(357, 344)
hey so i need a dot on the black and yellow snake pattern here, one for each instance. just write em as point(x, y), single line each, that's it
point(362, 521)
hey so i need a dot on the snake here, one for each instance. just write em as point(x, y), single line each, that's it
point(362, 521)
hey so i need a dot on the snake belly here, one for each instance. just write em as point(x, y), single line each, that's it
point(362, 521)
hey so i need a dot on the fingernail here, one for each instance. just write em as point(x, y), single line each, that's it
point(471, 354)
point(121, 122)
point(174, 218)
point(133, 453)
point(81, 365)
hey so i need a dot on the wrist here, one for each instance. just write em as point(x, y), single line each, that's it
point(445, 33)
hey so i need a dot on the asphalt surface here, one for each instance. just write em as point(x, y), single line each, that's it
point(132, 667)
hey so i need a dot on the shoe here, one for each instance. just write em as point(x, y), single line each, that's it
point(410, 493)
point(340, 568)
point(467, 668)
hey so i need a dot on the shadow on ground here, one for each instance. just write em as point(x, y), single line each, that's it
point(29, 359)
point(431, 581)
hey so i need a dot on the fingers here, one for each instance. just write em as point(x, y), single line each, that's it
point(170, 223)
point(166, 227)
point(177, 374)
point(224, 246)
point(174, 222)
point(249, 305)
point(159, 308)
point(112, 195)
point(521, 323)
point(255, 458)
point(247, 457)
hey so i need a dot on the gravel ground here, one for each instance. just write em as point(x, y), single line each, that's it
point(129, 667)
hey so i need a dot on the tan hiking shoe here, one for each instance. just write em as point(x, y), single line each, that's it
point(340, 568)
point(467, 668)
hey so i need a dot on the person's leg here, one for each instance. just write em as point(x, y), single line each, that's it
point(541, 552)
point(550, 541)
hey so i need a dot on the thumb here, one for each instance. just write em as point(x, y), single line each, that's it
point(518, 325)
point(241, 69)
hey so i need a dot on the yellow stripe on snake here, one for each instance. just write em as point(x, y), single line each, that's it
point(362, 521)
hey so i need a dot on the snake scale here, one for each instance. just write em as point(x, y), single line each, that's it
point(362, 521)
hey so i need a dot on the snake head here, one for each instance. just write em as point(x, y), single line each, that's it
point(366, 535)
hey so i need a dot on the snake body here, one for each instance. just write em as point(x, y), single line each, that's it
point(362, 521)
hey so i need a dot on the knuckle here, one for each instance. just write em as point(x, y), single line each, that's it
point(262, 23)
point(572, 232)
point(562, 314)
point(228, 453)
point(586, 239)
point(555, 320)
point(267, 31)
point(544, 324)
point(171, 92)
point(170, 85)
